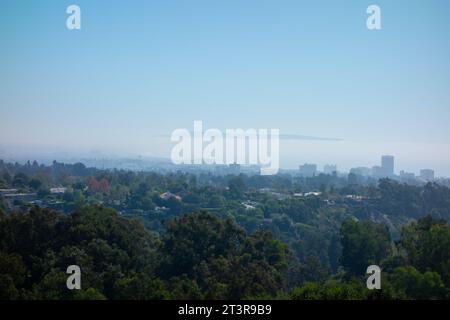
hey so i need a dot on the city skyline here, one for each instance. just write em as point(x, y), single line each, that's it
point(307, 169)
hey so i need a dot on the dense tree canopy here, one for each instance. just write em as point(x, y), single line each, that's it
point(363, 244)
point(148, 235)
point(199, 256)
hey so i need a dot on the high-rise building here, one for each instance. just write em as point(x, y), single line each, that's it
point(378, 172)
point(330, 169)
point(308, 170)
point(407, 175)
point(387, 166)
point(361, 171)
point(427, 174)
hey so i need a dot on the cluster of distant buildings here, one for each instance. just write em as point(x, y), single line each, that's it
point(14, 198)
point(385, 170)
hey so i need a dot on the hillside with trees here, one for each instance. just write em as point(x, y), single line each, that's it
point(147, 235)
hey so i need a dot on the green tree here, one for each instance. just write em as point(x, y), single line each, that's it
point(332, 290)
point(412, 284)
point(12, 276)
point(223, 261)
point(140, 286)
point(236, 187)
point(363, 244)
point(427, 245)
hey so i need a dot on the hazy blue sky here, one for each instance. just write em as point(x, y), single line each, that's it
point(139, 69)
